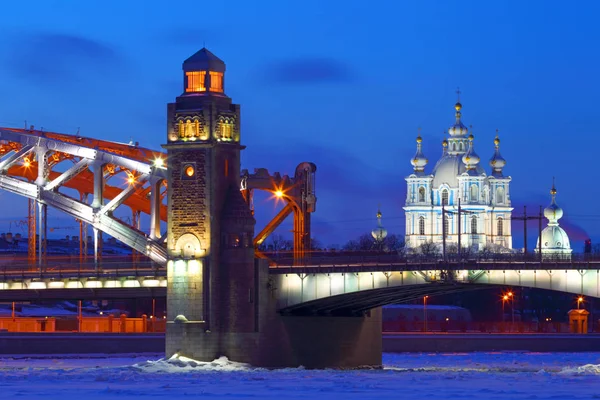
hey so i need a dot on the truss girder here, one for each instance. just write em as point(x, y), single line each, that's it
point(79, 177)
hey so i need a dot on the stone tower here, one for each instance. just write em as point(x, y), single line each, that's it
point(211, 274)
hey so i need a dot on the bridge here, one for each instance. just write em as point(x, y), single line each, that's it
point(224, 297)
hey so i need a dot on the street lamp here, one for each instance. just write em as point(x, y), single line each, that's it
point(579, 301)
point(425, 311)
point(512, 304)
point(504, 300)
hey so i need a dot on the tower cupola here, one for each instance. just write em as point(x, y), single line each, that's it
point(204, 73)
point(497, 162)
point(419, 161)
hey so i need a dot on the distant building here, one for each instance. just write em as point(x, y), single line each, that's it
point(555, 241)
point(458, 176)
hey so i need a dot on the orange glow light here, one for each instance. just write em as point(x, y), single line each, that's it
point(510, 294)
point(26, 163)
point(279, 193)
point(580, 299)
point(189, 171)
point(505, 297)
point(131, 180)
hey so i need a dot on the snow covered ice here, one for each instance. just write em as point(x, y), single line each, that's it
point(514, 375)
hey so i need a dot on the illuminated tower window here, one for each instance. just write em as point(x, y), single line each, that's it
point(216, 81)
point(195, 81)
point(226, 130)
point(421, 194)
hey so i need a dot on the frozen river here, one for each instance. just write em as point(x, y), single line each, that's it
point(406, 376)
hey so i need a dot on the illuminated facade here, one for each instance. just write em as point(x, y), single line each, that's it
point(458, 176)
point(210, 226)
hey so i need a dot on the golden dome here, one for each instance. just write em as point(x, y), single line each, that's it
point(458, 106)
point(471, 137)
point(419, 139)
point(444, 143)
point(497, 141)
point(553, 191)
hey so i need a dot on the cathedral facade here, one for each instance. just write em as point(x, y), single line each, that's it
point(458, 198)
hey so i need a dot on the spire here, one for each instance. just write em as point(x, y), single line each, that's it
point(419, 161)
point(379, 233)
point(471, 159)
point(458, 129)
point(553, 212)
point(497, 162)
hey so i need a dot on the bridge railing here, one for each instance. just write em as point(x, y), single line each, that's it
point(69, 267)
point(360, 258)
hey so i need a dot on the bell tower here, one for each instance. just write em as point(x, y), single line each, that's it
point(210, 229)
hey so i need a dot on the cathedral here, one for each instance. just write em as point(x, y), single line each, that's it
point(458, 198)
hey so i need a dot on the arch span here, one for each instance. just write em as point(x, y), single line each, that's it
point(349, 292)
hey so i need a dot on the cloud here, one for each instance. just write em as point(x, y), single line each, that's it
point(46, 58)
point(308, 70)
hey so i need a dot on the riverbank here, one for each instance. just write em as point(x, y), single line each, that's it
point(478, 342)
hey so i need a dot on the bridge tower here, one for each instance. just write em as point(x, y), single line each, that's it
point(210, 265)
point(221, 301)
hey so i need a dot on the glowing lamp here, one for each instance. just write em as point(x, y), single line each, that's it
point(189, 171)
point(26, 163)
point(505, 297)
point(510, 294)
point(580, 299)
point(279, 193)
point(158, 162)
point(131, 180)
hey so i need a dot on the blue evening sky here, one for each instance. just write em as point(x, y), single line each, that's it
point(344, 84)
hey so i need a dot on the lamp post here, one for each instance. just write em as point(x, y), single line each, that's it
point(504, 300)
point(425, 311)
point(579, 301)
point(512, 303)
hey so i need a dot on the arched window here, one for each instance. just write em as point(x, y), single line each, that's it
point(421, 194)
point(499, 227)
point(421, 225)
point(462, 146)
point(445, 197)
point(474, 193)
point(446, 224)
point(500, 195)
point(453, 146)
point(474, 225)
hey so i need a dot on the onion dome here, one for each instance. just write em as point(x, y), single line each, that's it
point(553, 212)
point(555, 241)
point(419, 161)
point(471, 159)
point(458, 129)
point(380, 232)
point(444, 147)
point(497, 162)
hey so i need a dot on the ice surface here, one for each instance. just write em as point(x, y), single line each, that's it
point(507, 375)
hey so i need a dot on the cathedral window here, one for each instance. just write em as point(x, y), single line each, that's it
point(500, 195)
point(421, 225)
point(216, 81)
point(195, 81)
point(453, 146)
point(462, 146)
point(474, 193)
point(421, 194)
point(445, 197)
point(474, 225)
point(499, 227)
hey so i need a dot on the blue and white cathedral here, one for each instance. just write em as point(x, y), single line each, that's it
point(458, 176)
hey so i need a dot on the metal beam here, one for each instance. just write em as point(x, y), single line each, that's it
point(68, 174)
point(14, 157)
point(275, 222)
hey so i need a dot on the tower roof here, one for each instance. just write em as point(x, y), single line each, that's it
point(204, 60)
